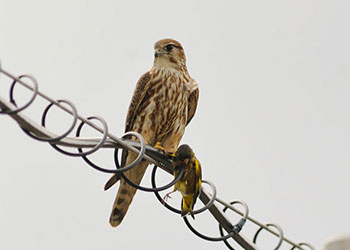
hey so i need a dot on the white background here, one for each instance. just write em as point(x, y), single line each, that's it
point(271, 128)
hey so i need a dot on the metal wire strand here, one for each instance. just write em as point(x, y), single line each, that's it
point(238, 227)
point(234, 230)
point(94, 149)
point(31, 100)
point(280, 232)
point(57, 138)
point(209, 238)
point(75, 119)
point(138, 158)
point(303, 244)
point(225, 241)
point(43, 121)
point(240, 224)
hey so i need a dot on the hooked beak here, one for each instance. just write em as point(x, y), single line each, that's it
point(186, 161)
point(158, 53)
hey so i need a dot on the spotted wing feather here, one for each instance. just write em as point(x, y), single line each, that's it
point(192, 105)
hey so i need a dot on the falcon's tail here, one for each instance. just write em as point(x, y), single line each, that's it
point(126, 193)
point(113, 180)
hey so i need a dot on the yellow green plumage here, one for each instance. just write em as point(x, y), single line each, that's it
point(190, 183)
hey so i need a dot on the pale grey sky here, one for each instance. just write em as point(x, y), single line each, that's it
point(272, 125)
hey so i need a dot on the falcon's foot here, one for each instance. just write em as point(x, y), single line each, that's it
point(161, 148)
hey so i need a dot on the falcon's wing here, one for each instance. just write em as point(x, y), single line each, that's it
point(139, 93)
point(192, 105)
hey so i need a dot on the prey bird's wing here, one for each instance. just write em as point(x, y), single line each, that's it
point(198, 175)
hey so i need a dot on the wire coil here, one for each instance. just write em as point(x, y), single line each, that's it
point(280, 232)
point(158, 159)
point(31, 100)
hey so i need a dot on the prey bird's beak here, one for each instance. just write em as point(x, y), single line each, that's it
point(158, 53)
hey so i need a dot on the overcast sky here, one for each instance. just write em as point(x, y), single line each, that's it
point(271, 128)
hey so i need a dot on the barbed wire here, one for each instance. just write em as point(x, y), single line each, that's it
point(154, 156)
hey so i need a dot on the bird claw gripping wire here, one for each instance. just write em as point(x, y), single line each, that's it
point(152, 155)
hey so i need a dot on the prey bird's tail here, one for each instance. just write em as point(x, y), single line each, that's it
point(187, 205)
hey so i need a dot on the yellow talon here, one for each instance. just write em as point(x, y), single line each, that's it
point(159, 146)
point(171, 155)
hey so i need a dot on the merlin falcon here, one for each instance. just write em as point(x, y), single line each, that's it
point(163, 103)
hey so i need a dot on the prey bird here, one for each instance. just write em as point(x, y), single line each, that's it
point(163, 103)
point(190, 183)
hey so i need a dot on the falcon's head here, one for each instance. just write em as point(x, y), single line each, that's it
point(169, 53)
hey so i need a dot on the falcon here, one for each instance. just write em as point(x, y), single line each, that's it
point(163, 103)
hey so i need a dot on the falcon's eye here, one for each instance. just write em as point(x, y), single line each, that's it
point(169, 47)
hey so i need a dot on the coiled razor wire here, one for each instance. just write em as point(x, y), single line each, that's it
point(143, 151)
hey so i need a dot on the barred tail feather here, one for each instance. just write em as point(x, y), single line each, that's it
point(113, 180)
point(126, 193)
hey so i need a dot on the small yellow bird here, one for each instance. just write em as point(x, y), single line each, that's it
point(190, 183)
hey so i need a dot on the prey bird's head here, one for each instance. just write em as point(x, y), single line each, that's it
point(184, 153)
point(169, 53)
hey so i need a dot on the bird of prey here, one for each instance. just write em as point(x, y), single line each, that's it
point(190, 183)
point(163, 103)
